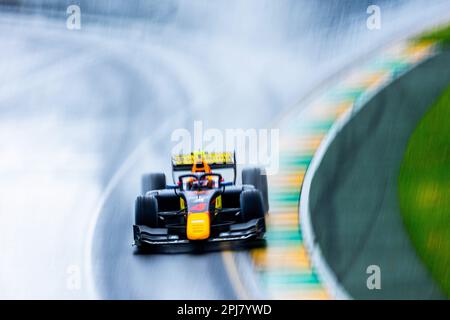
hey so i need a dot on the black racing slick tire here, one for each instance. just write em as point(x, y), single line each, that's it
point(146, 211)
point(252, 205)
point(153, 181)
point(257, 177)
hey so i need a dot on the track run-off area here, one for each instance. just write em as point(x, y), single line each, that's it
point(291, 267)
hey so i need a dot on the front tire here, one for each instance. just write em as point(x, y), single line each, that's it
point(257, 177)
point(252, 205)
point(146, 211)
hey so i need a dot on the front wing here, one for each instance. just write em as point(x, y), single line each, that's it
point(251, 230)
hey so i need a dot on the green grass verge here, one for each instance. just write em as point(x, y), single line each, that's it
point(424, 190)
point(441, 35)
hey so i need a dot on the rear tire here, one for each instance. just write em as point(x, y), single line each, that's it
point(153, 181)
point(257, 177)
point(252, 205)
point(146, 211)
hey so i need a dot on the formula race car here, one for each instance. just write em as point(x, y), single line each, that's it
point(201, 207)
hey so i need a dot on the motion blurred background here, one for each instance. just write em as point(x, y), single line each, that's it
point(84, 112)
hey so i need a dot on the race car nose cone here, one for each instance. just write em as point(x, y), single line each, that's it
point(198, 226)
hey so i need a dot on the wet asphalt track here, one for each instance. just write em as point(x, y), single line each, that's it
point(84, 115)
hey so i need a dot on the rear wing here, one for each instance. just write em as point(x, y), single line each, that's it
point(215, 160)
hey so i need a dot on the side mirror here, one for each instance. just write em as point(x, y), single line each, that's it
point(172, 186)
point(226, 184)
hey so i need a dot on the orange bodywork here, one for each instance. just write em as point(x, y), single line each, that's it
point(198, 221)
point(200, 164)
point(198, 226)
